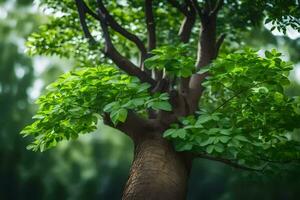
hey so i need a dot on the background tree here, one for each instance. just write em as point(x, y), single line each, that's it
point(233, 110)
point(26, 175)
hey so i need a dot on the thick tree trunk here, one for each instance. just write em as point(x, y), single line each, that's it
point(157, 172)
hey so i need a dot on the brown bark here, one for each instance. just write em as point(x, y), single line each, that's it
point(157, 172)
point(206, 53)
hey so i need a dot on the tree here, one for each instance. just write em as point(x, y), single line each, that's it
point(180, 96)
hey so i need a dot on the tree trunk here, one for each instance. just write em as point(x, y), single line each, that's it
point(157, 172)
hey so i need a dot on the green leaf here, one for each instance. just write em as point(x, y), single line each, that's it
point(111, 106)
point(169, 132)
point(162, 105)
point(208, 141)
point(122, 115)
point(203, 70)
point(224, 139)
point(181, 133)
point(143, 87)
point(241, 138)
point(210, 149)
point(203, 119)
point(219, 148)
point(184, 147)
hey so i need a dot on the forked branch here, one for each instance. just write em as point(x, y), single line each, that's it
point(122, 62)
point(150, 25)
point(217, 7)
point(188, 22)
point(219, 42)
point(82, 10)
point(110, 51)
point(118, 28)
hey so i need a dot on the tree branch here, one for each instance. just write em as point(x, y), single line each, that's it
point(206, 53)
point(197, 8)
point(118, 28)
point(263, 158)
point(150, 25)
point(134, 126)
point(87, 9)
point(181, 7)
point(82, 10)
point(208, 47)
point(219, 42)
point(185, 31)
point(217, 7)
point(228, 162)
point(188, 22)
point(151, 34)
point(122, 62)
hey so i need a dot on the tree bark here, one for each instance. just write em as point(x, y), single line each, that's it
point(157, 172)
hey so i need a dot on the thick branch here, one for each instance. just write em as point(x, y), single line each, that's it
point(188, 22)
point(151, 34)
point(118, 28)
point(87, 9)
point(150, 25)
point(134, 126)
point(219, 42)
point(228, 162)
point(208, 47)
point(206, 53)
point(185, 31)
point(197, 8)
point(110, 51)
point(122, 62)
point(182, 8)
point(217, 7)
point(81, 8)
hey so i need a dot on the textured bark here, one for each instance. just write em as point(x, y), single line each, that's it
point(157, 172)
point(206, 53)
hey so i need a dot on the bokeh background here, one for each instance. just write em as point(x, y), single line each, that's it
point(96, 165)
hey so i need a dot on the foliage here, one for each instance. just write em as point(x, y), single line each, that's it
point(244, 113)
point(74, 101)
point(175, 60)
point(28, 175)
point(238, 16)
point(63, 36)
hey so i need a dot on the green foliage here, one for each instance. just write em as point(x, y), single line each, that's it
point(238, 17)
point(73, 102)
point(244, 94)
point(244, 113)
point(175, 60)
point(63, 36)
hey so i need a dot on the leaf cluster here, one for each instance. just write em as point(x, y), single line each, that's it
point(176, 61)
point(75, 101)
point(244, 113)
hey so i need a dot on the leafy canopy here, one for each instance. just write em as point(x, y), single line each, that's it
point(244, 113)
point(63, 36)
point(76, 100)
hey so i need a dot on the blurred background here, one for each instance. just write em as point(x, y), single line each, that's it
point(96, 165)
